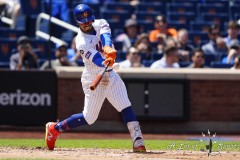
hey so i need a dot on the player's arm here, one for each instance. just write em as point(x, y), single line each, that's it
point(105, 35)
point(94, 56)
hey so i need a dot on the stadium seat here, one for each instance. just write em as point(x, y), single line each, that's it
point(145, 16)
point(184, 18)
point(218, 19)
point(209, 58)
point(119, 7)
point(6, 46)
point(4, 65)
point(220, 65)
point(11, 33)
point(31, 7)
point(200, 26)
point(178, 25)
point(145, 26)
point(157, 56)
point(212, 9)
point(184, 64)
point(198, 37)
point(115, 16)
point(181, 7)
point(147, 63)
point(148, 7)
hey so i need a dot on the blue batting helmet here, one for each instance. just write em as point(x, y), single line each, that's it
point(83, 13)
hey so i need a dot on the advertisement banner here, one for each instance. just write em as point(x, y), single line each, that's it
point(27, 97)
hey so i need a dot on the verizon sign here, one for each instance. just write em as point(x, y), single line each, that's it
point(20, 98)
point(27, 97)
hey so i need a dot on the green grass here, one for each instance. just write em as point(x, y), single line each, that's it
point(120, 144)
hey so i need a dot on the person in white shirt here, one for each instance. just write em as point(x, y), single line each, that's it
point(169, 60)
point(133, 59)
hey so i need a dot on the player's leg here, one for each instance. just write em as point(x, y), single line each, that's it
point(92, 105)
point(117, 96)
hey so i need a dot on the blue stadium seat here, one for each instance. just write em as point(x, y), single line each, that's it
point(209, 58)
point(4, 65)
point(200, 26)
point(218, 19)
point(40, 45)
point(184, 18)
point(220, 65)
point(119, 7)
point(181, 7)
point(178, 25)
point(145, 16)
point(148, 7)
point(6, 47)
point(198, 37)
point(115, 16)
point(145, 26)
point(157, 56)
point(184, 64)
point(147, 63)
point(212, 9)
point(11, 33)
point(31, 7)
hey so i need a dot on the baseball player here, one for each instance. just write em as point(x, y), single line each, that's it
point(96, 48)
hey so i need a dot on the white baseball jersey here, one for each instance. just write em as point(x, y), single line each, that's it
point(111, 85)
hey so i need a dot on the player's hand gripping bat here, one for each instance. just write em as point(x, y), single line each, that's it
point(98, 77)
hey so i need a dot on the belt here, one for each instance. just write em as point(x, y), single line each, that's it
point(109, 70)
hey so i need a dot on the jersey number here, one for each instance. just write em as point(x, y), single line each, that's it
point(99, 47)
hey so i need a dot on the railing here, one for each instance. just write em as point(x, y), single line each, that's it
point(8, 21)
point(53, 20)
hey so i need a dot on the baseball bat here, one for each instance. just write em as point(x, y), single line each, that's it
point(98, 78)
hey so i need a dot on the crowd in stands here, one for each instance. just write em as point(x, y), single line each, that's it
point(146, 33)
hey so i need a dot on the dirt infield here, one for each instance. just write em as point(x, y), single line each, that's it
point(109, 154)
point(104, 154)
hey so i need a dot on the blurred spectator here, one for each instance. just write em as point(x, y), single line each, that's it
point(143, 46)
point(197, 59)
point(62, 59)
point(161, 43)
point(160, 25)
point(236, 63)
point(171, 42)
point(222, 47)
point(25, 58)
point(234, 51)
point(10, 9)
point(232, 31)
point(169, 60)
point(185, 49)
point(211, 48)
point(129, 36)
point(133, 59)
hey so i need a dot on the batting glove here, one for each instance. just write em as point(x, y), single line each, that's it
point(110, 60)
point(110, 52)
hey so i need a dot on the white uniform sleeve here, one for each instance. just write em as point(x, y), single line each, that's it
point(104, 27)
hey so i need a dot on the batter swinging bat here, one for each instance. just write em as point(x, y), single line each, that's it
point(98, 78)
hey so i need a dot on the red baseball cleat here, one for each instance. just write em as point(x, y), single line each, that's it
point(139, 149)
point(138, 145)
point(51, 135)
